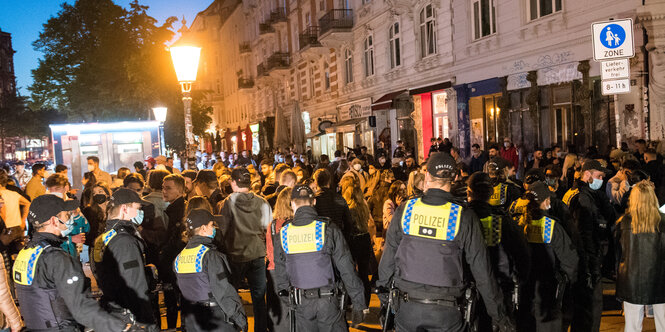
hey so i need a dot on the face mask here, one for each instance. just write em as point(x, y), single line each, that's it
point(506, 144)
point(214, 232)
point(99, 198)
point(548, 207)
point(550, 181)
point(91, 168)
point(401, 163)
point(70, 226)
point(596, 184)
point(559, 154)
point(139, 217)
point(357, 167)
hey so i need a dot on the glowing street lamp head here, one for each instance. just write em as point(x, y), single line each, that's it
point(186, 62)
point(160, 113)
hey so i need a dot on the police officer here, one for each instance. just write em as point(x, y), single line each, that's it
point(119, 259)
point(210, 303)
point(49, 283)
point(504, 191)
point(506, 245)
point(427, 242)
point(554, 263)
point(306, 252)
point(592, 216)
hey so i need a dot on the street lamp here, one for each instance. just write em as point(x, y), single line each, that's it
point(186, 62)
point(160, 115)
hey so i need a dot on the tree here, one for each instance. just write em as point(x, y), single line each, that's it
point(103, 62)
point(175, 135)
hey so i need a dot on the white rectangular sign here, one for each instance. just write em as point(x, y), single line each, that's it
point(613, 39)
point(614, 69)
point(615, 87)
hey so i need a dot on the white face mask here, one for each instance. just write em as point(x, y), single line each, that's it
point(506, 144)
point(357, 167)
point(91, 168)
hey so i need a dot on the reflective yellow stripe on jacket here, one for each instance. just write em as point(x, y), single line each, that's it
point(303, 239)
point(440, 222)
point(191, 260)
point(25, 264)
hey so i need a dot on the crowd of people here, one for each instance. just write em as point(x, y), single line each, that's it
point(533, 235)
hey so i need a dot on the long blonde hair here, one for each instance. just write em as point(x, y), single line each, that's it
point(568, 162)
point(643, 208)
point(283, 208)
point(356, 200)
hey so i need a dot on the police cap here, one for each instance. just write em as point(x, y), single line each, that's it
point(125, 196)
point(302, 191)
point(441, 165)
point(540, 191)
point(200, 217)
point(44, 207)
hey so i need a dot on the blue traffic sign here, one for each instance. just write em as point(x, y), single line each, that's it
point(612, 36)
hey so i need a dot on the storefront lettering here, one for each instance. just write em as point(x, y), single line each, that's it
point(354, 110)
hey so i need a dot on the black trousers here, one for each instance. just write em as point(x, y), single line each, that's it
point(417, 317)
point(320, 314)
point(198, 318)
point(588, 308)
point(361, 251)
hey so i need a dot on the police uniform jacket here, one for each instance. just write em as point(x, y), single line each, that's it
point(470, 241)
point(334, 246)
point(56, 270)
point(510, 243)
point(216, 268)
point(556, 241)
point(592, 215)
point(119, 266)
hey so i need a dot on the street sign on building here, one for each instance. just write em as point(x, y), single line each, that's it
point(614, 69)
point(615, 87)
point(613, 39)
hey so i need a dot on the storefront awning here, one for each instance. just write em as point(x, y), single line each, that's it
point(430, 88)
point(386, 101)
point(344, 126)
point(313, 134)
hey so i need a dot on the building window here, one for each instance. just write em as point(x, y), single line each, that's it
point(369, 56)
point(427, 31)
point(484, 15)
point(395, 52)
point(540, 8)
point(348, 66)
point(311, 82)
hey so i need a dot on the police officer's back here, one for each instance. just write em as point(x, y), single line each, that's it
point(306, 252)
point(49, 283)
point(427, 244)
point(210, 302)
point(506, 244)
point(554, 262)
point(119, 258)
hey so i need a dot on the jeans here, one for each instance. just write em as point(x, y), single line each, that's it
point(635, 314)
point(255, 273)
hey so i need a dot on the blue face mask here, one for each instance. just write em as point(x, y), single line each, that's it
point(139, 217)
point(214, 232)
point(596, 184)
point(70, 227)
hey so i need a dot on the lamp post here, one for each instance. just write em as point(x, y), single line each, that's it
point(160, 115)
point(186, 63)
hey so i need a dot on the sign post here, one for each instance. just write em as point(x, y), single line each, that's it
point(612, 46)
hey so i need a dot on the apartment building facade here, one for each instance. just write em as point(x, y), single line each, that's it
point(476, 71)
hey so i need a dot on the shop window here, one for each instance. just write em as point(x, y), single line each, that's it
point(348, 66)
point(427, 31)
point(395, 51)
point(369, 56)
point(484, 15)
point(540, 8)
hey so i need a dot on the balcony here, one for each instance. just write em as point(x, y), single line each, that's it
point(336, 21)
point(261, 71)
point(265, 28)
point(309, 38)
point(278, 16)
point(245, 83)
point(245, 48)
point(278, 64)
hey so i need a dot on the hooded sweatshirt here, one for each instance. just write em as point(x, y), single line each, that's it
point(245, 218)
